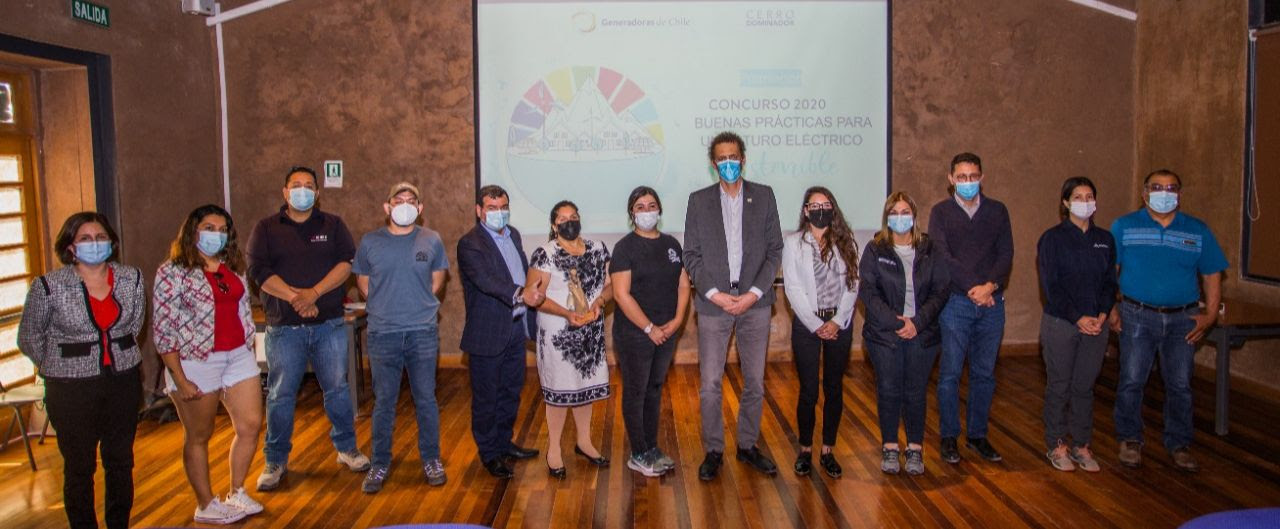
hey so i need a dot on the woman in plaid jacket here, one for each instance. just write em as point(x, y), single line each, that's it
point(204, 332)
point(79, 327)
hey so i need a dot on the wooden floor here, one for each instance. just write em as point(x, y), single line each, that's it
point(1239, 471)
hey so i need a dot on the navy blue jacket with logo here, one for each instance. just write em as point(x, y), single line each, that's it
point(883, 292)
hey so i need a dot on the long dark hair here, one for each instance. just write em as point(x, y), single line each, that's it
point(183, 251)
point(838, 236)
point(556, 208)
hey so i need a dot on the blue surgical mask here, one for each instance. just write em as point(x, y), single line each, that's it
point(967, 190)
point(301, 198)
point(730, 170)
point(211, 242)
point(497, 220)
point(93, 252)
point(901, 224)
point(1162, 201)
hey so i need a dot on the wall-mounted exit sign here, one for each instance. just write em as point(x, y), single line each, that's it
point(91, 13)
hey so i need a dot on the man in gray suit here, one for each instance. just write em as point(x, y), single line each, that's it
point(732, 249)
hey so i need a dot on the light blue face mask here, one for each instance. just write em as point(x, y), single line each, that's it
point(301, 198)
point(901, 224)
point(1162, 201)
point(93, 252)
point(497, 220)
point(730, 170)
point(211, 242)
point(967, 190)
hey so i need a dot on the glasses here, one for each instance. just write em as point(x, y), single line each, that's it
point(814, 206)
point(1172, 188)
point(222, 285)
point(734, 157)
point(968, 177)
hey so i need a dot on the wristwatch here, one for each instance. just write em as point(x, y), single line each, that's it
point(648, 328)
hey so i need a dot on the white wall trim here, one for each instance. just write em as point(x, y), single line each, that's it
point(1107, 8)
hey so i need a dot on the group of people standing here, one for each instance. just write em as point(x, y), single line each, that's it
point(925, 296)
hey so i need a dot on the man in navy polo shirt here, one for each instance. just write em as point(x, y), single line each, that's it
point(1163, 254)
point(300, 258)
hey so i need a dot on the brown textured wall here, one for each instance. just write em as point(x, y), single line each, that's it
point(1191, 68)
point(1041, 89)
point(164, 91)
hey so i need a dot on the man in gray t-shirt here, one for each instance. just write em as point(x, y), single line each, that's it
point(401, 269)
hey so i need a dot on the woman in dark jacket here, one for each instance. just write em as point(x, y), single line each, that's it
point(904, 287)
point(79, 327)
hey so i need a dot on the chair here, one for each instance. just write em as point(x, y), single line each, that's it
point(17, 398)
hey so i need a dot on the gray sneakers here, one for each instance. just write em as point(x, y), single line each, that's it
point(1083, 458)
point(645, 463)
point(271, 476)
point(915, 462)
point(374, 479)
point(1060, 458)
point(354, 460)
point(434, 470)
point(661, 460)
point(889, 463)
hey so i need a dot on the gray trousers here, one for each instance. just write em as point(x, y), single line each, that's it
point(1071, 361)
point(752, 328)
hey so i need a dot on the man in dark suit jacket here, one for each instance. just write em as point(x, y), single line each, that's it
point(493, 264)
point(732, 250)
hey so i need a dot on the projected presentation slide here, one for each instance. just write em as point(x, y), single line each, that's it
point(587, 100)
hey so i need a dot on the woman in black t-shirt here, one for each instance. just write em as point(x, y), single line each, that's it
point(651, 288)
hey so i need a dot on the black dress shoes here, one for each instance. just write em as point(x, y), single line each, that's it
point(830, 465)
point(558, 473)
point(983, 447)
point(517, 452)
point(804, 463)
point(949, 451)
point(757, 460)
point(710, 466)
point(597, 461)
point(498, 469)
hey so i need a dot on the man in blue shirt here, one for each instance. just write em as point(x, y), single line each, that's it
point(400, 268)
point(492, 265)
point(1162, 254)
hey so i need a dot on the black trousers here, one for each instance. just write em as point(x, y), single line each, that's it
point(643, 366)
point(496, 381)
point(92, 415)
point(902, 376)
point(832, 357)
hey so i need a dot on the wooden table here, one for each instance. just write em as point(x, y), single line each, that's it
point(1242, 321)
point(355, 322)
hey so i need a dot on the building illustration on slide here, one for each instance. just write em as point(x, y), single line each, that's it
point(584, 128)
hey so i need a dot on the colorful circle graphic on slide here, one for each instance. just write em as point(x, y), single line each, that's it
point(585, 129)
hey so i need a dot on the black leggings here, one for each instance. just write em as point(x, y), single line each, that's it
point(832, 356)
point(91, 415)
point(643, 366)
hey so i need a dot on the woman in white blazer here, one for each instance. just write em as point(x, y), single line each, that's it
point(821, 287)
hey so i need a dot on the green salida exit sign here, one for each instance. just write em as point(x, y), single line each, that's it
point(91, 13)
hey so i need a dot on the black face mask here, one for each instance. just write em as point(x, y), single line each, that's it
point(821, 218)
point(569, 229)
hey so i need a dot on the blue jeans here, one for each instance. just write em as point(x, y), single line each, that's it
point(1143, 334)
point(393, 353)
point(972, 333)
point(289, 349)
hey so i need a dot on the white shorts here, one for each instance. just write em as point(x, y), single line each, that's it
point(221, 370)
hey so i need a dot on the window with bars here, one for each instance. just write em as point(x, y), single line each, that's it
point(20, 241)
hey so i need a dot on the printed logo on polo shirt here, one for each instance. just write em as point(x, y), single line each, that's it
point(887, 261)
point(320, 238)
point(672, 255)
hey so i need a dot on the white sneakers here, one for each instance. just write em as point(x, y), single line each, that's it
point(219, 513)
point(240, 499)
point(231, 510)
point(354, 460)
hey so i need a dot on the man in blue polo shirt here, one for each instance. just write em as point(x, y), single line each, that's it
point(1162, 254)
point(300, 257)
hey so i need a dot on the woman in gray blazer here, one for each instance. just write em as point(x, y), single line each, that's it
point(820, 278)
point(79, 327)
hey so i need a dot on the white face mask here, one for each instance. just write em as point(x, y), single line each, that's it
point(1083, 210)
point(404, 214)
point(647, 220)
